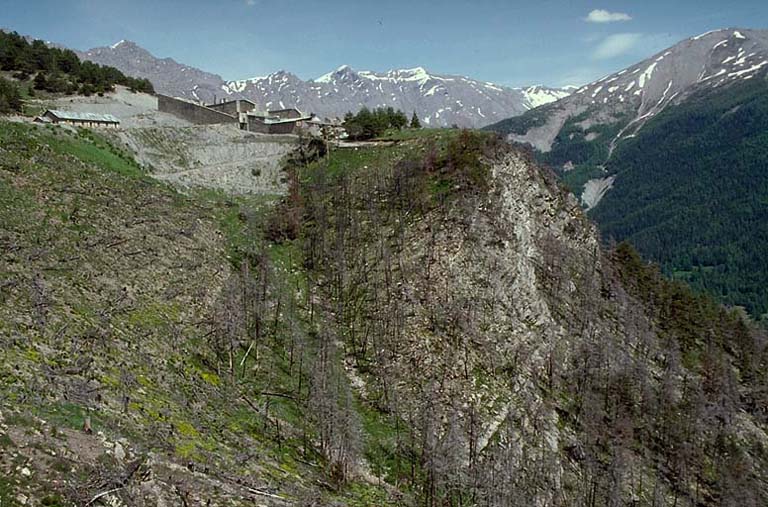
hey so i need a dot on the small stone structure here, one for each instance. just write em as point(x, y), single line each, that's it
point(287, 114)
point(234, 107)
point(268, 124)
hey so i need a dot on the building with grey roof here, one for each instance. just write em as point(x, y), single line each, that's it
point(80, 119)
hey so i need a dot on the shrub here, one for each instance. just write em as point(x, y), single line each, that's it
point(10, 99)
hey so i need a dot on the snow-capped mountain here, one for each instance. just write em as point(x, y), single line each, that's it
point(439, 100)
point(578, 135)
point(635, 95)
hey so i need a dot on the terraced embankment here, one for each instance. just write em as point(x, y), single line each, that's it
point(214, 156)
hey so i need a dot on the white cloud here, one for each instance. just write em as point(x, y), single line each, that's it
point(250, 3)
point(616, 45)
point(603, 16)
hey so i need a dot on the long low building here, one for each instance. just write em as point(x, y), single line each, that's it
point(80, 119)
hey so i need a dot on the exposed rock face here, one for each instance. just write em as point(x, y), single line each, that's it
point(498, 355)
point(439, 100)
point(496, 326)
point(594, 190)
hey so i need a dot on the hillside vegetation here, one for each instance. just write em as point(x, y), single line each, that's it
point(161, 323)
point(520, 364)
point(429, 323)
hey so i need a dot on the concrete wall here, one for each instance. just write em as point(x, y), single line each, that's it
point(233, 107)
point(282, 128)
point(256, 124)
point(226, 107)
point(285, 114)
point(199, 115)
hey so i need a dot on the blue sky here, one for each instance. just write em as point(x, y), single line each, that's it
point(552, 42)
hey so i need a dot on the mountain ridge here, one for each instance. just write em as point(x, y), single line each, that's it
point(644, 89)
point(440, 100)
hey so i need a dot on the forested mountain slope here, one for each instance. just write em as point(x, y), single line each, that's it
point(428, 323)
point(691, 192)
point(669, 153)
point(60, 70)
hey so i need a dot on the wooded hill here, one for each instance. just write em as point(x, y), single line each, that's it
point(692, 193)
point(56, 70)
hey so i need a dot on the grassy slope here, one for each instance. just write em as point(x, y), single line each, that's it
point(100, 225)
point(112, 291)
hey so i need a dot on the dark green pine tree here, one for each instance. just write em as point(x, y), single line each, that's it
point(415, 123)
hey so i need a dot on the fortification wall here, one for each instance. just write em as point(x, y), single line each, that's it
point(199, 115)
point(233, 107)
point(228, 107)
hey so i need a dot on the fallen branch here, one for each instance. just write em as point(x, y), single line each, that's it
point(279, 395)
point(102, 495)
point(264, 493)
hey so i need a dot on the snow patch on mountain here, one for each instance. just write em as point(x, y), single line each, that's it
point(539, 95)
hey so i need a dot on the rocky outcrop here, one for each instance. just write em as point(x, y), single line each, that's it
point(497, 326)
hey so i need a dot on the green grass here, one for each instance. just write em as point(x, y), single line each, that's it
point(69, 415)
point(345, 160)
point(241, 220)
point(387, 461)
point(7, 496)
point(408, 134)
point(86, 146)
point(92, 148)
point(366, 495)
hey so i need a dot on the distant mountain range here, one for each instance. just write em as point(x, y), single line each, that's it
point(671, 154)
point(439, 100)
